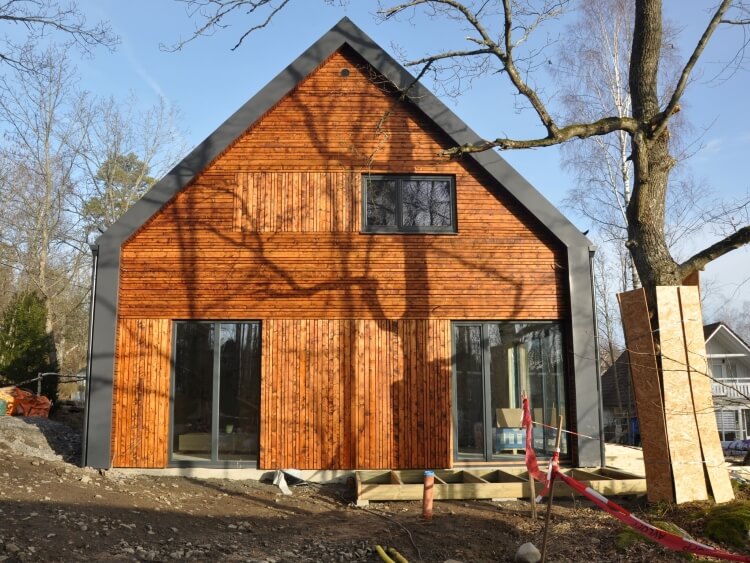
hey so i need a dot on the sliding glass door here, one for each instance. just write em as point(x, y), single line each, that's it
point(493, 364)
point(216, 392)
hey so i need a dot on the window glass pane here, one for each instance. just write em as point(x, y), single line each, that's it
point(239, 390)
point(469, 394)
point(381, 203)
point(194, 354)
point(506, 365)
point(513, 358)
point(426, 203)
point(541, 374)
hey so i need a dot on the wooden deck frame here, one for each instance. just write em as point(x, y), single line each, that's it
point(508, 482)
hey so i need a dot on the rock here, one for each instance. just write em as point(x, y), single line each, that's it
point(527, 553)
point(85, 479)
point(12, 548)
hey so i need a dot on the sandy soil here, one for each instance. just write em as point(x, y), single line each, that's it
point(52, 510)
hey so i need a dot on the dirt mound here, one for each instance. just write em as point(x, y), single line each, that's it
point(40, 437)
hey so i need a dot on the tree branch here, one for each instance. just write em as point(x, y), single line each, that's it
point(577, 130)
point(732, 242)
point(503, 53)
point(448, 55)
point(672, 106)
point(215, 16)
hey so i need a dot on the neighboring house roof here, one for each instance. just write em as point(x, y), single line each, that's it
point(731, 338)
point(343, 33)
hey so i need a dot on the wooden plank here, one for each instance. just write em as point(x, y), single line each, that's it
point(471, 478)
point(682, 432)
point(584, 475)
point(700, 386)
point(647, 389)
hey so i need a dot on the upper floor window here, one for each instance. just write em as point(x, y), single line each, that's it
point(409, 204)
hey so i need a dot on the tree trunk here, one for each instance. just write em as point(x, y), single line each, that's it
point(680, 386)
point(652, 162)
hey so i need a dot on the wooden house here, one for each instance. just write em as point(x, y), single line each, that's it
point(316, 286)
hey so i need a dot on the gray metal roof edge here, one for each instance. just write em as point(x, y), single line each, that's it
point(344, 32)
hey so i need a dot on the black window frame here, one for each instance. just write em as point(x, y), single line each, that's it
point(399, 227)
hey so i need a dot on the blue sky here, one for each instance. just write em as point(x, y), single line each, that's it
point(208, 82)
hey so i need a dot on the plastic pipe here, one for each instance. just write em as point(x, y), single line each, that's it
point(429, 489)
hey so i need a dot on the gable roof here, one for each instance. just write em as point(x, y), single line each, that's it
point(711, 330)
point(343, 33)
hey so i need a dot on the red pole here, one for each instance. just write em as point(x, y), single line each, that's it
point(429, 488)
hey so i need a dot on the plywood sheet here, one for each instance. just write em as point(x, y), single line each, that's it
point(682, 431)
point(645, 376)
point(700, 386)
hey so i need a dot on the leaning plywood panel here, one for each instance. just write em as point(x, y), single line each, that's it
point(682, 432)
point(647, 387)
point(700, 386)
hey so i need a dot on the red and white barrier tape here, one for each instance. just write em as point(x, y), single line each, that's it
point(667, 539)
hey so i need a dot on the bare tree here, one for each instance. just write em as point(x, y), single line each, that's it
point(215, 15)
point(41, 114)
point(40, 19)
point(127, 150)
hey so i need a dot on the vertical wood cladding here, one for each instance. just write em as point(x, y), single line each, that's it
point(366, 394)
point(272, 227)
point(141, 393)
point(356, 345)
point(303, 202)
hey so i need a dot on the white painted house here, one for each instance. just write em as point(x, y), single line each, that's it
point(729, 360)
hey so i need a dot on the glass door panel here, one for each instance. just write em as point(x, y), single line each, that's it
point(216, 398)
point(193, 405)
point(239, 391)
point(469, 394)
point(506, 366)
point(495, 362)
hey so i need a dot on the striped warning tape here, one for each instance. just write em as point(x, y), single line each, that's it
point(667, 539)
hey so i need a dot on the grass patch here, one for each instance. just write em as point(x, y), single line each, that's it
point(729, 523)
point(629, 537)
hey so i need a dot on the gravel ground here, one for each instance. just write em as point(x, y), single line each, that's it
point(52, 510)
